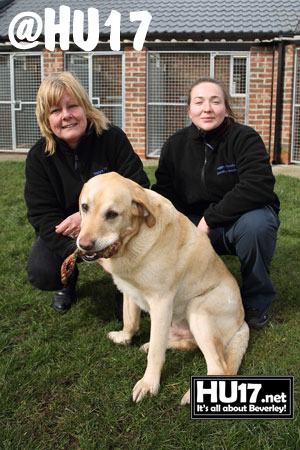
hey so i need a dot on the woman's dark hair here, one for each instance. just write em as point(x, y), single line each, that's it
point(218, 83)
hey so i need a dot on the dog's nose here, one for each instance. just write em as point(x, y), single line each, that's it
point(86, 244)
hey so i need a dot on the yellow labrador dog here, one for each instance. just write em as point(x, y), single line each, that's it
point(164, 265)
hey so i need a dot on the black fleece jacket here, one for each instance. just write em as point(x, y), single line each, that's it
point(53, 183)
point(220, 174)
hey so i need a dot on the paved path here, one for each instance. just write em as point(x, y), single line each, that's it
point(291, 170)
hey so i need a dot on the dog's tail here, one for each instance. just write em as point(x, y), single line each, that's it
point(236, 349)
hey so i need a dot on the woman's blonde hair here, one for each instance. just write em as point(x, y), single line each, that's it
point(50, 93)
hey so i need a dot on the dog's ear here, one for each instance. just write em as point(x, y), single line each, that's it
point(140, 207)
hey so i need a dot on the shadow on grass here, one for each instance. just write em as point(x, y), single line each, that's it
point(99, 298)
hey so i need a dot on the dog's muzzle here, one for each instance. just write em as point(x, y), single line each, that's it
point(106, 252)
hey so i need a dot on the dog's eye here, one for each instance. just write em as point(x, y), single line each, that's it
point(111, 215)
point(84, 207)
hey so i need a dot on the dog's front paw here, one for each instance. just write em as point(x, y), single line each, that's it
point(186, 399)
point(142, 388)
point(145, 347)
point(120, 337)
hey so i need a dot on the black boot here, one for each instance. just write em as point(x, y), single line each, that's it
point(256, 318)
point(66, 297)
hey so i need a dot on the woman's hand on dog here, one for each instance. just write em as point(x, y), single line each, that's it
point(202, 225)
point(70, 226)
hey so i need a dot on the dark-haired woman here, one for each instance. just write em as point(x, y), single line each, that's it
point(217, 172)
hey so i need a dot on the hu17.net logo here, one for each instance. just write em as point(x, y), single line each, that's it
point(242, 397)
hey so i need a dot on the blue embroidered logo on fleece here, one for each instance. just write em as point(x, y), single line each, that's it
point(227, 168)
point(98, 172)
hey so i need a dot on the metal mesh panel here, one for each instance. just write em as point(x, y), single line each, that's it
point(27, 79)
point(166, 120)
point(239, 76)
point(20, 80)
point(295, 151)
point(107, 86)
point(232, 71)
point(5, 127)
point(222, 69)
point(27, 129)
point(102, 79)
point(238, 107)
point(5, 94)
point(295, 156)
point(5, 104)
point(169, 78)
point(171, 74)
point(114, 113)
point(78, 65)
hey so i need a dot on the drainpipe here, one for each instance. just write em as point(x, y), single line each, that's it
point(278, 113)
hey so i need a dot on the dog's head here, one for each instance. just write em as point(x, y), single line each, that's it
point(112, 208)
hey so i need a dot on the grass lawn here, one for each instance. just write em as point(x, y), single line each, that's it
point(64, 385)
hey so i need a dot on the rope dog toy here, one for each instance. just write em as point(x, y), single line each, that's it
point(69, 263)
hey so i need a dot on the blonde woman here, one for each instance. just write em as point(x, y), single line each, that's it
point(78, 143)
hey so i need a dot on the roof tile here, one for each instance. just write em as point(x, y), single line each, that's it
point(240, 17)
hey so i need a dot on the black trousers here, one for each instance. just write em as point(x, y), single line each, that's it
point(43, 267)
point(253, 239)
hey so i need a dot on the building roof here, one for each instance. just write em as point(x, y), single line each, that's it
point(263, 19)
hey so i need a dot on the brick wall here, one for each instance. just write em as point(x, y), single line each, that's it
point(262, 99)
point(263, 90)
point(135, 99)
point(53, 61)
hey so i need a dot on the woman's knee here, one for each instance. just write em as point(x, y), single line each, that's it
point(254, 236)
point(43, 278)
point(258, 225)
point(43, 268)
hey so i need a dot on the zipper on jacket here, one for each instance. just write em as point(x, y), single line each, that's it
point(203, 182)
point(76, 167)
point(76, 162)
